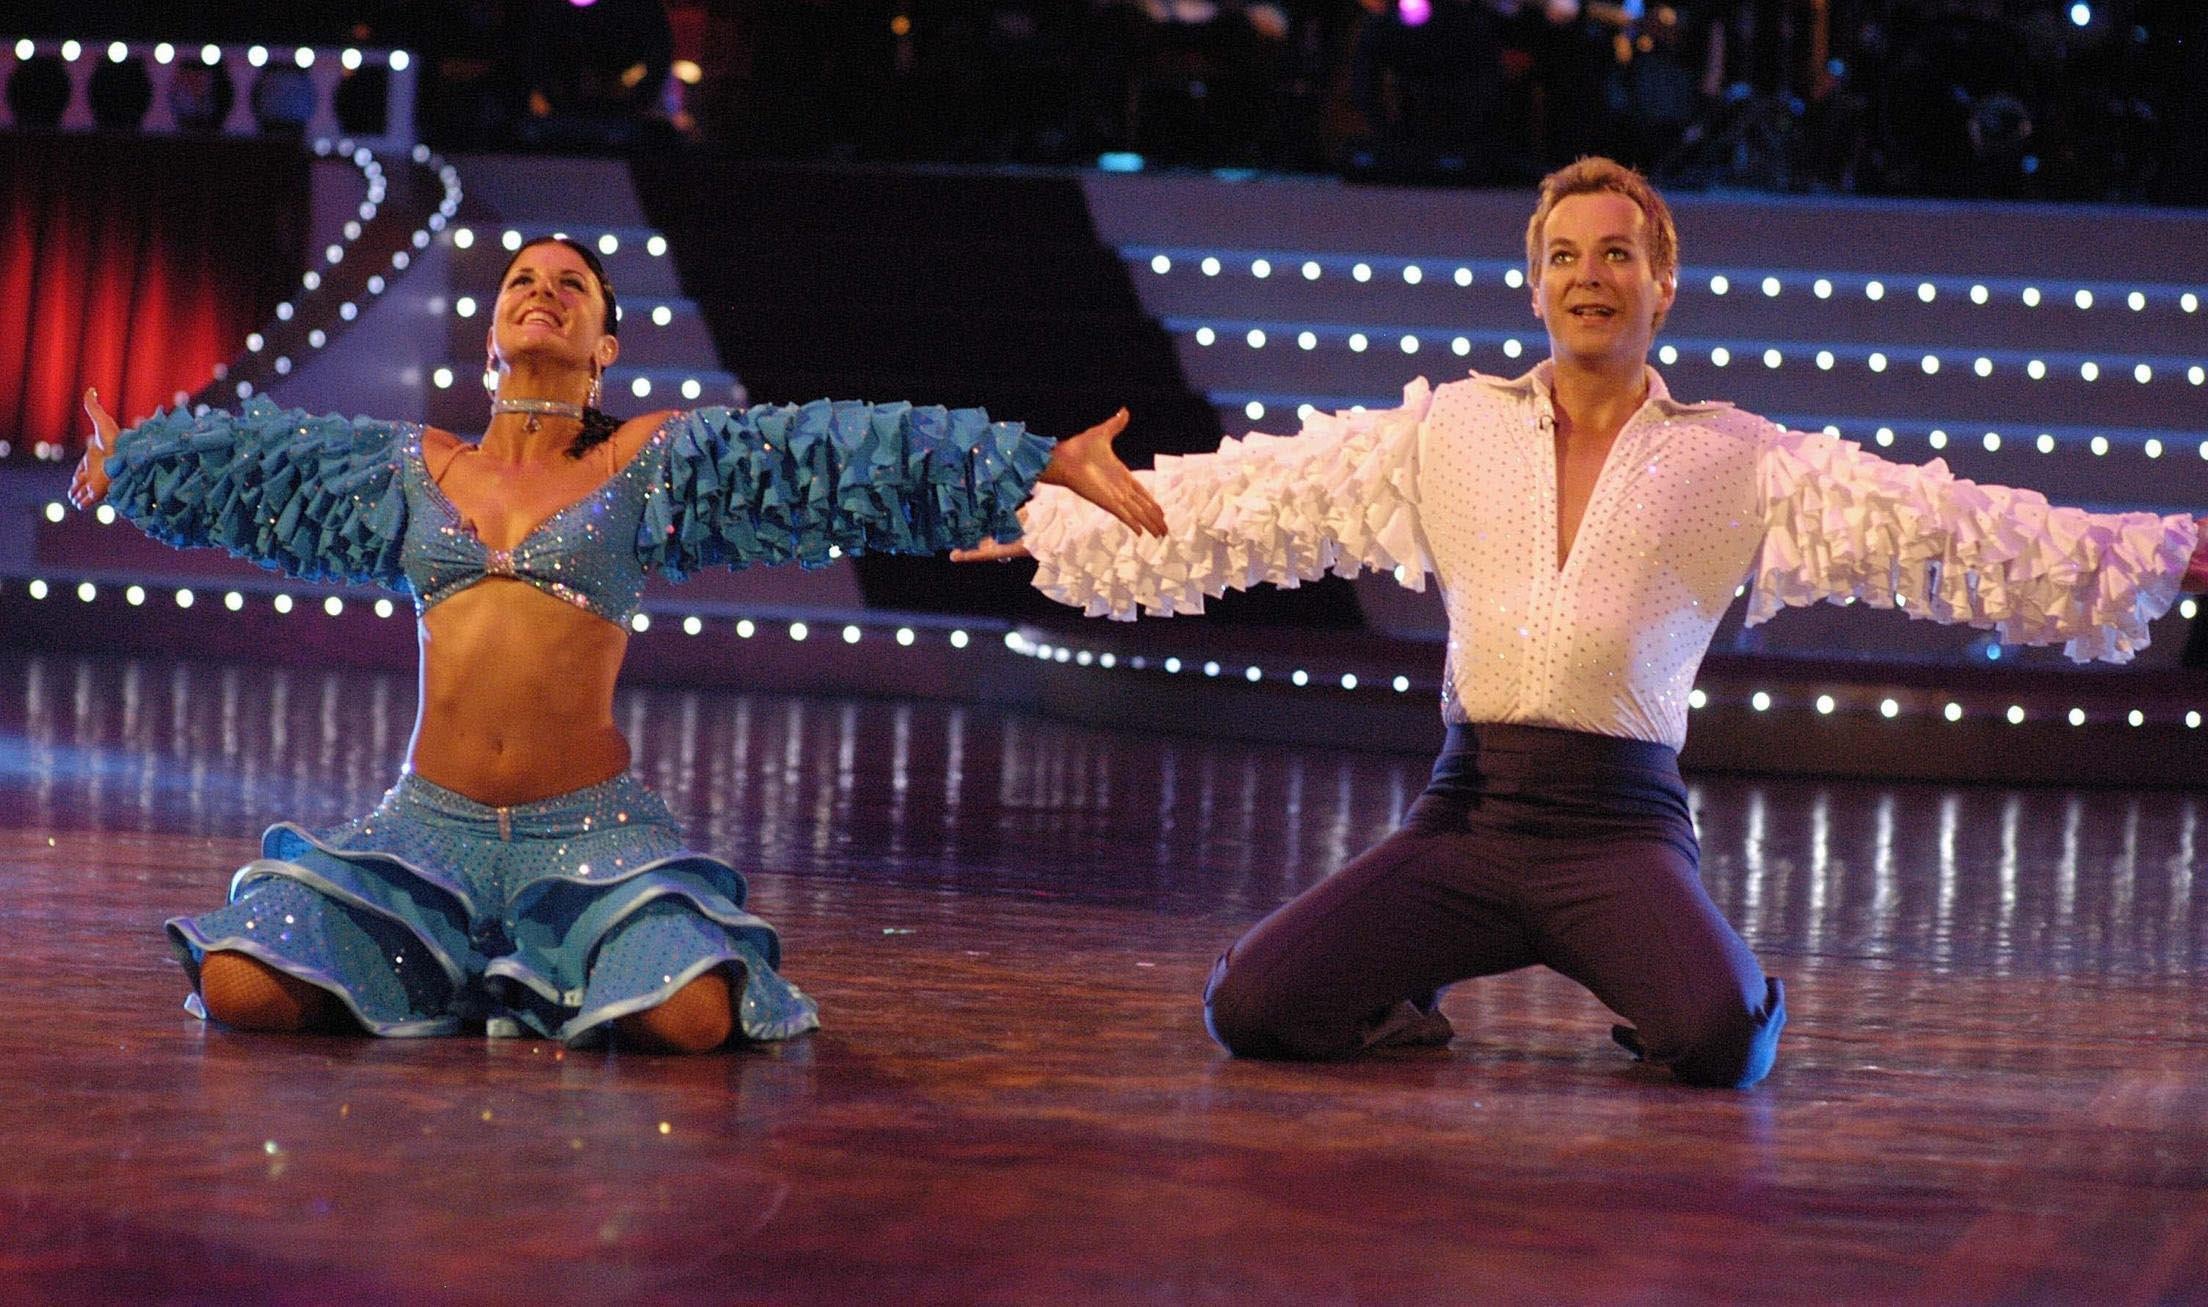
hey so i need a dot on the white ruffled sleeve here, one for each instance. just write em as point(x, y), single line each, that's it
point(1338, 497)
point(1845, 524)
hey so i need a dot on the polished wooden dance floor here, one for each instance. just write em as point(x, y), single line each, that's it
point(1994, 1087)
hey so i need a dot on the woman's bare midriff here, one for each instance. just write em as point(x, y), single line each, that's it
point(517, 695)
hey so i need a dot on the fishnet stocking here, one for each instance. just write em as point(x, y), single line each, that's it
point(698, 1017)
point(248, 994)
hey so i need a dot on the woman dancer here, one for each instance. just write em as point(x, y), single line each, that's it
point(517, 876)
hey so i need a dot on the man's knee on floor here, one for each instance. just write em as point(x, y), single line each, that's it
point(1251, 1020)
point(1733, 1046)
point(1231, 1013)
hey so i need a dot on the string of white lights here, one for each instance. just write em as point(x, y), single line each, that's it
point(1886, 432)
point(312, 304)
point(244, 67)
point(210, 54)
point(1947, 706)
point(57, 512)
point(904, 630)
point(1770, 283)
point(910, 630)
point(1982, 363)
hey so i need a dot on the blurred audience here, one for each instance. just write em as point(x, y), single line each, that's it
point(2031, 98)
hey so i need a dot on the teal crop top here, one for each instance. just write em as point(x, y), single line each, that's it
point(585, 553)
point(328, 498)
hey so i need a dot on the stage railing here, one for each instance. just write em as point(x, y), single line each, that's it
point(161, 88)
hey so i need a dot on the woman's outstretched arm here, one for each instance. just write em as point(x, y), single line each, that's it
point(1087, 465)
point(314, 497)
point(804, 483)
point(89, 485)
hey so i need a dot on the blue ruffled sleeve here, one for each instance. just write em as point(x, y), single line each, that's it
point(313, 497)
point(784, 483)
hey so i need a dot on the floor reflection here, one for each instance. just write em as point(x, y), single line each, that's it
point(835, 793)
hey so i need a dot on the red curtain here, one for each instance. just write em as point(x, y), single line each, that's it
point(135, 265)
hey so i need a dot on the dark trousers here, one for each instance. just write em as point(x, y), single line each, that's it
point(1530, 846)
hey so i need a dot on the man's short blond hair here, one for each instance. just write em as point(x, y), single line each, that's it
point(1594, 175)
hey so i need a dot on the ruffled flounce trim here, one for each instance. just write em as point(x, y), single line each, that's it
point(1340, 497)
point(391, 940)
point(579, 960)
point(313, 497)
point(382, 967)
point(665, 940)
point(779, 484)
point(1844, 524)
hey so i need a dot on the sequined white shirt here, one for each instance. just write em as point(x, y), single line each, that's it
point(1693, 499)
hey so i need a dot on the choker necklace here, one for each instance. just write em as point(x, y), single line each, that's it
point(537, 409)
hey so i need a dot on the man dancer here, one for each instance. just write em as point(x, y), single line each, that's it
point(1588, 531)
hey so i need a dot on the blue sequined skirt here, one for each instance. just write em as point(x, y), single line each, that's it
point(555, 917)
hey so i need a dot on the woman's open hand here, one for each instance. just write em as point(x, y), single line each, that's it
point(991, 550)
point(1087, 465)
point(89, 485)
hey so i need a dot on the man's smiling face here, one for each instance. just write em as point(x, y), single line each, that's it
point(1598, 292)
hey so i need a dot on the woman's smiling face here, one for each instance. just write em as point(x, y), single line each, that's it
point(550, 304)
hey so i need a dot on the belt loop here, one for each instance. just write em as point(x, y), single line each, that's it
point(506, 825)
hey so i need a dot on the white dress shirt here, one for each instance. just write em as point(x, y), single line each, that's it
point(1692, 500)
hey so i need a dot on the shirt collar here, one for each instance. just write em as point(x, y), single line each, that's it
point(1536, 381)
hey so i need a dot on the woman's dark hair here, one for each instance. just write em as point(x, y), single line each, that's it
point(598, 425)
